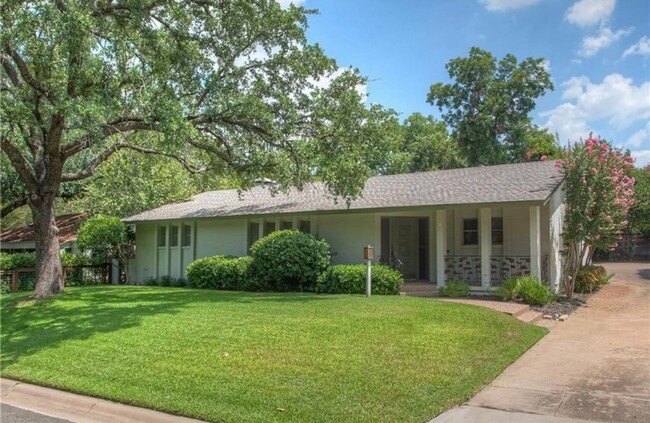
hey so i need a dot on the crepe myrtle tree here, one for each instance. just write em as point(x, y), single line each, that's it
point(228, 86)
point(599, 194)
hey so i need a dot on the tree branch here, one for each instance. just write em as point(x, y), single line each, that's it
point(27, 75)
point(13, 206)
point(10, 70)
point(20, 163)
point(102, 157)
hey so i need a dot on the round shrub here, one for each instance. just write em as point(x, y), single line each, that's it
point(288, 260)
point(351, 279)
point(508, 289)
point(219, 272)
point(455, 289)
point(532, 292)
point(590, 279)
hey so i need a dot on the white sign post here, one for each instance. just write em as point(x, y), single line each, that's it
point(368, 254)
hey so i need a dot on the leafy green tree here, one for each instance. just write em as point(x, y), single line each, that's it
point(538, 144)
point(107, 237)
point(230, 86)
point(127, 184)
point(487, 103)
point(639, 217)
point(599, 194)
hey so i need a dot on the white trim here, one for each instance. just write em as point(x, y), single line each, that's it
point(441, 246)
point(535, 242)
point(485, 242)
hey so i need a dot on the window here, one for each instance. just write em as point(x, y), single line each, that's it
point(304, 226)
point(173, 236)
point(162, 236)
point(286, 225)
point(253, 233)
point(187, 236)
point(497, 230)
point(470, 231)
point(269, 227)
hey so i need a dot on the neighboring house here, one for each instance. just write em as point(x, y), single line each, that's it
point(479, 224)
point(21, 240)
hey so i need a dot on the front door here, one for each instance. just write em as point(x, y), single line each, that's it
point(404, 245)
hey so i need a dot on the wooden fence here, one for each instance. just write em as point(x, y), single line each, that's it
point(100, 273)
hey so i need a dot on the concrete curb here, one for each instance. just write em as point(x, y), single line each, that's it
point(78, 408)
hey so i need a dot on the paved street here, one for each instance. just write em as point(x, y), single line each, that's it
point(9, 414)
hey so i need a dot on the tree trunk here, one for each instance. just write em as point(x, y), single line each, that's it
point(49, 273)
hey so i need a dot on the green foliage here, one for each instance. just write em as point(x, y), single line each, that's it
point(351, 279)
point(421, 143)
point(455, 289)
point(590, 279)
point(219, 272)
point(509, 289)
point(288, 260)
point(488, 102)
point(639, 216)
point(525, 288)
point(17, 261)
point(104, 235)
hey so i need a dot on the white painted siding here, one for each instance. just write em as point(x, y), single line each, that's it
point(347, 235)
point(221, 237)
point(143, 267)
point(516, 233)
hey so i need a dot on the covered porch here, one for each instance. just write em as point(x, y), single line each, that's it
point(481, 245)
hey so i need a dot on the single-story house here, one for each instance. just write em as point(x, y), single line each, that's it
point(478, 224)
point(21, 240)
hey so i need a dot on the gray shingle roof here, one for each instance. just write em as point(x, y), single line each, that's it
point(490, 184)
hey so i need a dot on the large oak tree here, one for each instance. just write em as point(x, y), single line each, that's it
point(228, 86)
point(487, 104)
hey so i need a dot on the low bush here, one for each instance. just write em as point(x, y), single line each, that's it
point(17, 261)
point(351, 279)
point(508, 289)
point(220, 272)
point(454, 289)
point(525, 288)
point(590, 279)
point(288, 260)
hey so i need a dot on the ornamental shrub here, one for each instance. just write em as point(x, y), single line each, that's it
point(532, 291)
point(17, 261)
point(220, 272)
point(351, 279)
point(288, 260)
point(591, 279)
point(455, 289)
point(508, 289)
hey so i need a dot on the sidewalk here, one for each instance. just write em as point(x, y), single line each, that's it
point(78, 408)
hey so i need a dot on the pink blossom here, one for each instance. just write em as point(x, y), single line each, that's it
point(594, 170)
point(543, 158)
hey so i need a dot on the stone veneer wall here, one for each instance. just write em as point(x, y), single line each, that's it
point(464, 268)
point(504, 267)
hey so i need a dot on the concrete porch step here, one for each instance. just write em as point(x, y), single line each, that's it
point(418, 289)
point(530, 316)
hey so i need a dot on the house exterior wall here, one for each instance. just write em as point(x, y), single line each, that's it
point(348, 233)
point(555, 209)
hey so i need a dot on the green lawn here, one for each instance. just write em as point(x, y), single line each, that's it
point(245, 357)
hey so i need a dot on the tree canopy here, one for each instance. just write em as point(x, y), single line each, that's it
point(487, 104)
point(230, 87)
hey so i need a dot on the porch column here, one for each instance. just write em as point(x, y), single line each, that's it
point(535, 243)
point(441, 246)
point(485, 228)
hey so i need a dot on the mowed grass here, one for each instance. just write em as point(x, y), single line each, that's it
point(246, 357)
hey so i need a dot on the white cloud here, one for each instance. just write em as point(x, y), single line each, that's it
point(616, 100)
point(642, 48)
point(546, 64)
point(604, 38)
point(326, 80)
point(641, 158)
point(500, 5)
point(590, 12)
point(286, 3)
point(639, 139)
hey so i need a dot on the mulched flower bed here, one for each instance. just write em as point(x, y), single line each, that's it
point(562, 305)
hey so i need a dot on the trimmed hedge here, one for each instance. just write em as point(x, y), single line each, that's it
point(220, 272)
point(590, 279)
point(351, 279)
point(28, 260)
point(288, 260)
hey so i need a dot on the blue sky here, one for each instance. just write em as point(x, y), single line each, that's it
point(598, 52)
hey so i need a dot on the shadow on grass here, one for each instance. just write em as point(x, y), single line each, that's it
point(79, 313)
point(644, 273)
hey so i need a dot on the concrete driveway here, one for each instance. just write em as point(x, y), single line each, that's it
point(595, 366)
